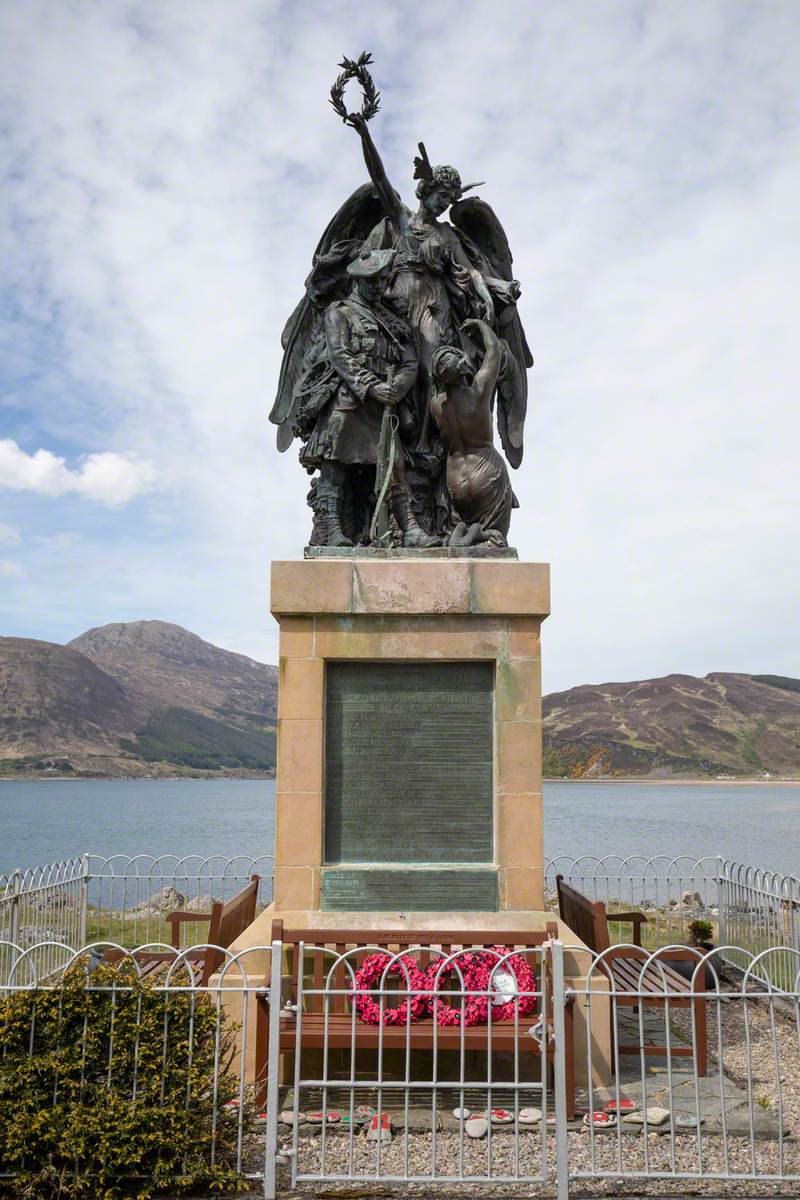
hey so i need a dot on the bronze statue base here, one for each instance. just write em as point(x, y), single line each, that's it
point(399, 552)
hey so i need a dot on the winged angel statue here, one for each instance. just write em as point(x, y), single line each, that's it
point(405, 344)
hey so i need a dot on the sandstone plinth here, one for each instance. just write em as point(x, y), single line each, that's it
point(416, 608)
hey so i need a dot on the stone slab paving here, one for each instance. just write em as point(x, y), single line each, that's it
point(676, 1087)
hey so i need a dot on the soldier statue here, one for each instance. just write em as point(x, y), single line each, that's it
point(363, 374)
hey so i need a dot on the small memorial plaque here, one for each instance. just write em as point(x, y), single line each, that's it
point(408, 774)
point(413, 890)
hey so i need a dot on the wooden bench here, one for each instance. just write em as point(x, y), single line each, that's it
point(227, 920)
point(344, 1033)
point(623, 968)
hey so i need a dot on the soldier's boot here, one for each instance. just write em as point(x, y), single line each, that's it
point(413, 533)
point(329, 503)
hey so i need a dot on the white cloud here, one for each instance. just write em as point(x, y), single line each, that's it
point(112, 479)
point(9, 536)
point(10, 570)
point(171, 167)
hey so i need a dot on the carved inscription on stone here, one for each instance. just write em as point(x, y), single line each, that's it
point(408, 774)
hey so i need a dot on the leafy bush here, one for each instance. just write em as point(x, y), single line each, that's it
point(700, 932)
point(107, 1090)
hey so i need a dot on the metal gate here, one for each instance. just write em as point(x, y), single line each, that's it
point(423, 1070)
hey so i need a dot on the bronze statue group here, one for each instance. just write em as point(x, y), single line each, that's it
point(405, 345)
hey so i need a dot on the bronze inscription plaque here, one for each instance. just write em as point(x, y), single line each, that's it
point(408, 769)
point(415, 889)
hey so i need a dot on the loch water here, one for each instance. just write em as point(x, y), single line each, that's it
point(45, 820)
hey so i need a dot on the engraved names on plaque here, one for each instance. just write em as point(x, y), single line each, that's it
point(408, 773)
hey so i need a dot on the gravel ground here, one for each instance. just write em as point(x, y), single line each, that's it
point(655, 1153)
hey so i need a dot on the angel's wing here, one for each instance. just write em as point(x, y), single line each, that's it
point(487, 246)
point(339, 243)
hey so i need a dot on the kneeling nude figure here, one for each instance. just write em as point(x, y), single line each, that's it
point(477, 476)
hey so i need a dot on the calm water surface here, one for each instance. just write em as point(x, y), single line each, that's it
point(47, 820)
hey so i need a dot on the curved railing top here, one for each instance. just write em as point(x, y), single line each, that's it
point(617, 866)
point(174, 866)
point(45, 962)
point(760, 879)
point(31, 879)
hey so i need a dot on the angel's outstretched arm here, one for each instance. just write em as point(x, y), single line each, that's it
point(392, 205)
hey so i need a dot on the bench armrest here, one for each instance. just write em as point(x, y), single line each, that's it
point(176, 918)
point(637, 919)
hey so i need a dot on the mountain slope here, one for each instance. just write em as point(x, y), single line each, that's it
point(144, 697)
point(207, 709)
point(165, 666)
point(58, 710)
point(721, 724)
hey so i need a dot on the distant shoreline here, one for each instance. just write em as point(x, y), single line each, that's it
point(646, 780)
point(694, 781)
point(134, 778)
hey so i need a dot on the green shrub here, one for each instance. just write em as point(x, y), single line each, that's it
point(700, 932)
point(106, 1090)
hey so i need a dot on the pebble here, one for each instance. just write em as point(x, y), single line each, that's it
point(530, 1116)
point(451, 1150)
point(286, 1117)
point(477, 1127)
point(651, 1116)
point(379, 1129)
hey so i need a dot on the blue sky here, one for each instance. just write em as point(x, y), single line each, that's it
point(167, 171)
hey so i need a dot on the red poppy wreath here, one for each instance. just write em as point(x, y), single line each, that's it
point(476, 971)
point(404, 968)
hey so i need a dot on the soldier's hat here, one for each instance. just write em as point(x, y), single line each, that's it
point(370, 262)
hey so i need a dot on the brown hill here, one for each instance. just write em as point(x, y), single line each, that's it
point(144, 697)
point(723, 724)
point(57, 708)
point(165, 666)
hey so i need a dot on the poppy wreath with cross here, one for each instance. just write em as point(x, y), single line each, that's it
point(476, 971)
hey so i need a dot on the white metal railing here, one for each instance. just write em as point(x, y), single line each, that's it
point(722, 1102)
point(122, 898)
point(431, 1078)
point(43, 904)
point(751, 907)
point(709, 1066)
point(126, 898)
point(672, 891)
point(129, 897)
point(760, 910)
point(728, 1108)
